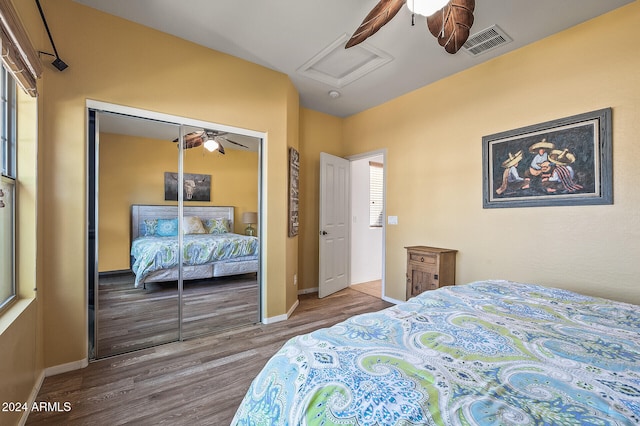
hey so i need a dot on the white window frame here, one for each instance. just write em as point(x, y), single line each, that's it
point(8, 161)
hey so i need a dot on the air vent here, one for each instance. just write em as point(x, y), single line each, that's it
point(486, 40)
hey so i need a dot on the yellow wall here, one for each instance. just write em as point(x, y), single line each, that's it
point(117, 61)
point(318, 133)
point(434, 164)
point(293, 132)
point(20, 352)
point(132, 172)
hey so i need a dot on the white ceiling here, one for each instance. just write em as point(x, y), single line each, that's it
point(285, 35)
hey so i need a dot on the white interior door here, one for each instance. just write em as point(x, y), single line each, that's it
point(334, 224)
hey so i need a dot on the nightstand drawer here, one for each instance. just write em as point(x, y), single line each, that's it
point(422, 258)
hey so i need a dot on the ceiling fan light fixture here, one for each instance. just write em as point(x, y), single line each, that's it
point(211, 145)
point(426, 7)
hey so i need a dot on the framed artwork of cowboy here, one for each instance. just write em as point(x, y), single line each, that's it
point(561, 162)
point(195, 187)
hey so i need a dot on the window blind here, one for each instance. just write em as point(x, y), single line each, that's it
point(18, 55)
point(376, 194)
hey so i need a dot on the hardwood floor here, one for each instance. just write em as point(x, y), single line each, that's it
point(195, 382)
point(373, 288)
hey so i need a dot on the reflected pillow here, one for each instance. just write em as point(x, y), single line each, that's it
point(192, 225)
point(216, 226)
point(148, 227)
point(167, 227)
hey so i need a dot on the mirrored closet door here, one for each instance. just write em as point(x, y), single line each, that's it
point(220, 262)
point(172, 230)
point(131, 311)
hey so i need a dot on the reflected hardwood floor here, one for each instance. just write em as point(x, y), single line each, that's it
point(132, 318)
point(196, 382)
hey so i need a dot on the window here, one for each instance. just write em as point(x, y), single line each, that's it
point(7, 187)
point(376, 200)
point(20, 68)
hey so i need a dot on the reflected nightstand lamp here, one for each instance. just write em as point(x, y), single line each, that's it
point(250, 218)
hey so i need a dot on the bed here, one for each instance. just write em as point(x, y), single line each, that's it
point(210, 247)
point(485, 353)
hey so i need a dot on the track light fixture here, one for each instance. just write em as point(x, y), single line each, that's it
point(58, 63)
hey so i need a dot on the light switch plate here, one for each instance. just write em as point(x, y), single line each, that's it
point(392, 220)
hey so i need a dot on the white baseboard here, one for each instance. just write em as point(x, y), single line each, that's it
point(32, 398)
point(286, 316)
point(391, 300)
point(63, 368)
point(47, 372)
point(283, 317)
point(293, 308)
point(271, 320)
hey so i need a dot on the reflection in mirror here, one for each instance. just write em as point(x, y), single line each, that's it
point(220, 264)
point(144, 297)
point(131, 316)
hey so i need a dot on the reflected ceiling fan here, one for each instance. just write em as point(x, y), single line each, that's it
point(448, 21)
point(211, 140)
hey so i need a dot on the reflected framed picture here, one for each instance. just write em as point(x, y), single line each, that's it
point(196, 187)
point(563, 162)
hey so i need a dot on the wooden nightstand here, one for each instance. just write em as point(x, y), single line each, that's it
point(429, 268)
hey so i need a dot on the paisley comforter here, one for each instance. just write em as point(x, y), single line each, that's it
point(486, 353)
point(153, 253)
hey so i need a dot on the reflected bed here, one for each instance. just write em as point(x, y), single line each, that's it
point(210, 247)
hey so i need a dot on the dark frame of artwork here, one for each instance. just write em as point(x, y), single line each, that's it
point(564, 162)
point(196, 187)
point(294, 192)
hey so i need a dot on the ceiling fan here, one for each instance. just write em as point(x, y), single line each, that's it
point(210, 139)
point(448, 21)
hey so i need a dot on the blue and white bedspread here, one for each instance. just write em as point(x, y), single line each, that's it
point(486, 353)
point(154, 253)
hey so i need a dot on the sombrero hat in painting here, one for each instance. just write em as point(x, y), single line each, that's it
point(544, 144)
point(561, 158)
point(512, 160)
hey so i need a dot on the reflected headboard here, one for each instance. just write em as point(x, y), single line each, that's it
point(140, 212)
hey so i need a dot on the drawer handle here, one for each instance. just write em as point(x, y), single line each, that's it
point(422, 259)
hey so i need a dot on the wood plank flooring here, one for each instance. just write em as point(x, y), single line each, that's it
point(374, 288)
point(196, 382)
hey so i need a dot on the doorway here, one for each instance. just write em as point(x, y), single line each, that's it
point(367, 224)
point(137, 161)
point(337, 240)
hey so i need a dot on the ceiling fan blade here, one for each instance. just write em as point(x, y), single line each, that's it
point(236, 143)
point(192, 140)
point(451, 24)
point(220, 148)
point(382, 13)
